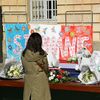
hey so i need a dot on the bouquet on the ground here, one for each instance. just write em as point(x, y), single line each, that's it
point(58, 75)
point(72, 59)
point(12, 70)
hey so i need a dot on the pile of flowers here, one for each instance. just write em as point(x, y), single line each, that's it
point(72, 59)
point(88, 77)
point(13, 70)
point(58, 75)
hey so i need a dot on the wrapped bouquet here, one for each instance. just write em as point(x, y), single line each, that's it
point(12, 70)
point(58, 75)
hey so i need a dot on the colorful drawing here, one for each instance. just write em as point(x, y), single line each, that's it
point(16, 37)
point(59, 41)
point(62, 42)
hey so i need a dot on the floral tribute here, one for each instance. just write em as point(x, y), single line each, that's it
point(58, 75)
point(73, 59)
point(13, 70)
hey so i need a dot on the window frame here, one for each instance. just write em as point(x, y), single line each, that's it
point(45, 19)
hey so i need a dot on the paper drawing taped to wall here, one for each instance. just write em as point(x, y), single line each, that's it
point(59, 41)
point(62, 42)
point(16, 37)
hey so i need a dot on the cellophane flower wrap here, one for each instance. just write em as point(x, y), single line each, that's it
point(13, 70)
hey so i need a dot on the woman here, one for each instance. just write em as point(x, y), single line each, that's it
point(34, 60)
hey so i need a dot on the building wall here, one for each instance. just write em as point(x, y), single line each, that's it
point(13, 11)
point(17, 11)
point(74, 5)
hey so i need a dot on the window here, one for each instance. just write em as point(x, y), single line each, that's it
point(43, 10)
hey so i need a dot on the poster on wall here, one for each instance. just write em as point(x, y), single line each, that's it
point(62, 42)
point(16, 37)
point(59, 41)
point(74, 38)
point(51, 40)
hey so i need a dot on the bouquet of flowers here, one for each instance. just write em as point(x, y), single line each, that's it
point(13, 70)
point(72, 59)
point(58, 75)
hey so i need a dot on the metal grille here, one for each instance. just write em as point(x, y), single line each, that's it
point(43, 10)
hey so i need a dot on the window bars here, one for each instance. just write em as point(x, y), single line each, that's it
point(43, 10)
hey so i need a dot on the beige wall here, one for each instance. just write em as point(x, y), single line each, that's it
point(93, 5)
point(14, 11)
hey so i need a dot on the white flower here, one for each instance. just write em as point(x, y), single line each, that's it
point(51, 73)
point(9, 73)
point(51, 78)
point(11, 68)
point(16, 73)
